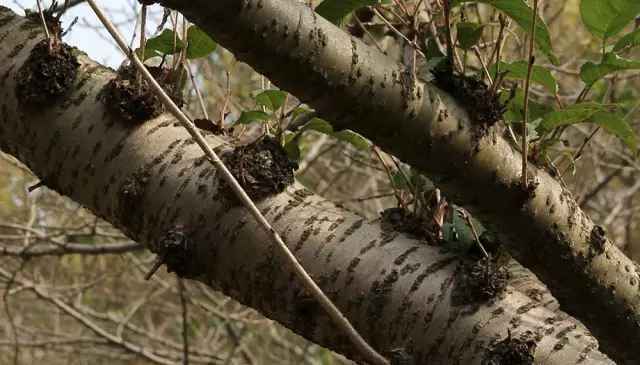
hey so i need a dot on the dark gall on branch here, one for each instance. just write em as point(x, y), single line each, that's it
point(406, 221)
point(209, 126)
point(134, 103)
point(483, 105)
point(47, 75)
point(598, 240)
point(262, 168)
point(176, 249)
point(512, 351)
point(479, 281)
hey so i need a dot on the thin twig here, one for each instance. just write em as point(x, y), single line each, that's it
point(187, 66)
point(44, 24)
point(143, 41)
point(578, 154)
point(497, 51)
point(396, 191)
point(527, 83)
point(447, 27)
point(475, 233)
point(227, 97)
point(476, 51)
point(368, 33)
point(399, 33)
point(339, 319)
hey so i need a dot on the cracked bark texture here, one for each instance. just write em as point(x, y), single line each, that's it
point(396, 290)
point(356, 87)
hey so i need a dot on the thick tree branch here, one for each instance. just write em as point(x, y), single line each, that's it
point(357, 87)
point(398, 291)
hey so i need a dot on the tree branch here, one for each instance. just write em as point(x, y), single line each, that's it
point(357, 87)
point(399, 292)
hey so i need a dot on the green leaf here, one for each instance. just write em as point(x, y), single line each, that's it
point(252, 116)
point(522, 14)
point(319, 125)
point(615, 124)
point(271, 99)
point(161, 45)
point(518, 70)
point(515, 108)
point(469, 34)
point(630, 40)
point(291, 145)
point(336, 11)
point(606, 18)
point(353, 138)
point(398, 180)
point(199, 44)
point(457, 234)
point(572, 114)
point(591, 72)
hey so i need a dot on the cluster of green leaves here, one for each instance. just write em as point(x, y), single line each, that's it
point(269, 102)
point(605, 19)
point(198, 44)
point(457, 234)
point(521, 13)
point(292, 139)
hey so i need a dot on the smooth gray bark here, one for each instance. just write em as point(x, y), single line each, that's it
point(395, 290)
point(356, 87)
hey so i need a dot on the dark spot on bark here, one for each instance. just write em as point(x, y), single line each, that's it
point(598, 240)
point(400, 356)
point(133, 103)
point(130, 198)
point(262, 169)
point(535, 294)
point(405, 221)
point(46, 75)
point(307, 310)
point(368, 247)
point(303, 238)
point(352, 229)
point(479, 282)
point(483, 106)
point(379, 294)
point(353, 264)
point(400, 259)
point(524, 194)
point(209, 126)
point(14, 52)
point(511, 351)
point(177, 251)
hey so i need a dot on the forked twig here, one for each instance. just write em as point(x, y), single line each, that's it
point(338, 318)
